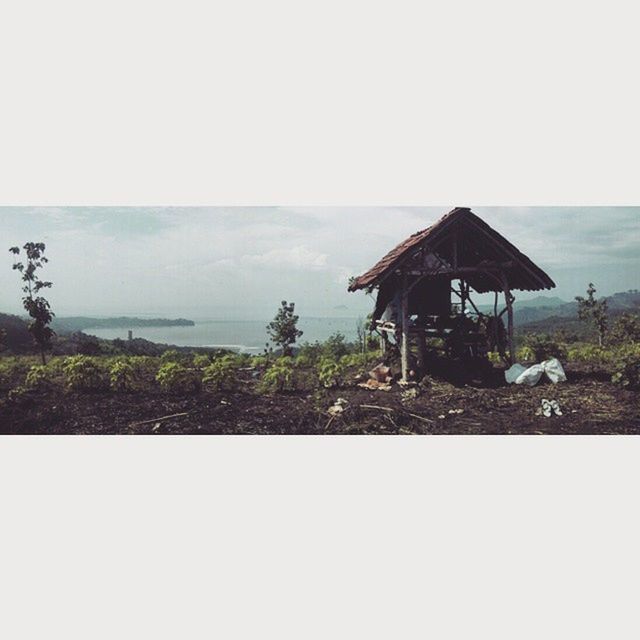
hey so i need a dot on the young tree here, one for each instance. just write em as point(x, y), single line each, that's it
point(283, 329)
point(36, 306)
point(594, 311)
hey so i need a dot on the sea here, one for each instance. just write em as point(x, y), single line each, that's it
point(243, 336)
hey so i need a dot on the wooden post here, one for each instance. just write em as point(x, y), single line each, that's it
point(509, 302)
point(404, 347)
point(422, 352)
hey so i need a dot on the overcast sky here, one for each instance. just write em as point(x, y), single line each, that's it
point(239, 262)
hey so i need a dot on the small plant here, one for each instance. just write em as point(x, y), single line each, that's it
point(171, 355)
point(259, 361)
point(280, 376)
point(83, 373)
point(201, 361)
point(122, 376)
point(330, 372)
point(17, 394)
point(176, 378)
point(38, 377)
point(626, 371)
point(542, 347)
point(222, 374)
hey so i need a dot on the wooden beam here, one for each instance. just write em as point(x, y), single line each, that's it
point(508, 251)
point(404, 347)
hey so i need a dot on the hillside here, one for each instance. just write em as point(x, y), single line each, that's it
point(564, 317)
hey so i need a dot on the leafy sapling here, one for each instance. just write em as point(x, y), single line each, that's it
point(35, 305)
point(283, 329)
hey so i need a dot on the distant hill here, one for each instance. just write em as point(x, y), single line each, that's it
point(564, 317)
point(18, 338)
point(80, 323)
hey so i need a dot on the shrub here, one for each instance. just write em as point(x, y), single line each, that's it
point(591, 354)
point(12, 370)
point(626, 329)
point(222, 374)
point(38, 377)
point(202, 361)
point(170, 355)
point(122, 376)
point(83, 373)
point(310, 351)
point(259, 361)
point(176, 378)
point(330, 372)
point(626, 372)
point(303, 360)
point(335, 346)
point(542, 347)
point(279, 376)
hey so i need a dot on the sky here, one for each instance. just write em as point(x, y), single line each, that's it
point(240, 262)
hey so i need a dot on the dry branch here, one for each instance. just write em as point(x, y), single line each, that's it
point(162, 419)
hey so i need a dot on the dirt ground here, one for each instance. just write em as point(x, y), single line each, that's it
point(589, 402)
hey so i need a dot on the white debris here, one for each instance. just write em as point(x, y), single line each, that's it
point(521, 375)
point(337, 409)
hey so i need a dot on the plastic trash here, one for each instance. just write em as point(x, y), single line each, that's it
point(513, 373)
point(554, 370)
point(530, 377)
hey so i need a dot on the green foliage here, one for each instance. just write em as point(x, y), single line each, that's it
point(83, 373)
point(283, 330)
point(280, 376)
point(594, 312)
point(335, 346)
point(495, 358)
point(626, 370)
point(38, 377)
point(303, 360)
point(35, 305)
point(591, 354)
point(626, 329)
point(259, 361)
point(330, 372)
point(122, 376)
point(176, 378)
point(310, 352)
point(542, 347)
point(171, 355)
point(201, 361)
point(222, 374)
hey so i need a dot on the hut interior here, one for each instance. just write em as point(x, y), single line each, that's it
point(424, 288)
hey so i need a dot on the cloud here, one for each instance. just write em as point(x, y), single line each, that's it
point(237, 260)
point(300, 257)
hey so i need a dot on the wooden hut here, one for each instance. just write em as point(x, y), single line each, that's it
point(415, 282)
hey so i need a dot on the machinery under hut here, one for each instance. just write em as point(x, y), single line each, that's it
point(424, 288)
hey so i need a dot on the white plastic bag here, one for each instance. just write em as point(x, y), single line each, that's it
point(554, 370)
point(512, 374)
point(519, 374)
point(531, 376)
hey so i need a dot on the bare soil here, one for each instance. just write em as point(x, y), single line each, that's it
point(589, 402)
